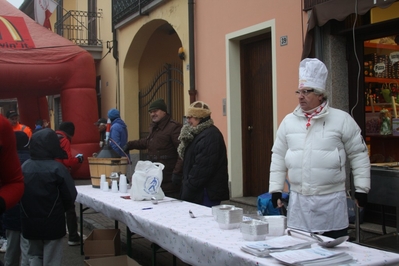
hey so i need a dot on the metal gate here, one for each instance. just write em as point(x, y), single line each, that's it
point(168, 85)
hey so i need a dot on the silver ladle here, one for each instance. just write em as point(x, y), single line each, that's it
point(155, 201)
point(193, 216)
point(335, 242)
point(321, 242)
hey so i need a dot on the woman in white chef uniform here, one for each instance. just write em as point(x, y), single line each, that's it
point(312, 146)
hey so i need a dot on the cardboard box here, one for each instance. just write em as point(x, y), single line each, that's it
point(117, 261)
point(103, 243)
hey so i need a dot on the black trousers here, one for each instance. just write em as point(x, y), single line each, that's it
point(336, 234)
point(72, 224)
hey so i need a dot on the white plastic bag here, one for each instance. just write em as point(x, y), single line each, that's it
point(146, 181)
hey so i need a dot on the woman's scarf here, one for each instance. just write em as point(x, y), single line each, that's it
point(188, 133)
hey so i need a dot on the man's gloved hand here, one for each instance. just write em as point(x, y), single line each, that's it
point(176, 179)
point(275, 197)
point(126, 149)
point(80, 158)
point(361, 199)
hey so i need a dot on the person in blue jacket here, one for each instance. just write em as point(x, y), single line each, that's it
point(118, 134)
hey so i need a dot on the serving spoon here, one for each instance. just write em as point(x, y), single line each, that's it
point(321, 242)
point(193, 216)
point(155, 201)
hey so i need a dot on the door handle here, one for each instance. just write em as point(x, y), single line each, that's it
point(250, 128)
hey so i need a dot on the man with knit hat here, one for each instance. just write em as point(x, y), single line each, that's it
point(202, 148)
point(312, 146)
point(118, 133)
point(161, 143)
point(13, 117)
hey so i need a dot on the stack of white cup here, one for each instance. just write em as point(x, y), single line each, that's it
point(122, 183)
point(114, 186)
point(105, 186)
point(102, 180)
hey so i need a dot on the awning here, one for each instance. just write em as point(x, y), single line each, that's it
point(338, 10)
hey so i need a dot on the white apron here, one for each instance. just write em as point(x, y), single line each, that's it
point(318, 213)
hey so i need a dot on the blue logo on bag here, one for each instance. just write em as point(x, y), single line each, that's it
point(151, 185)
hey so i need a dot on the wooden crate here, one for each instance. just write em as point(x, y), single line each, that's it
point(99, 166)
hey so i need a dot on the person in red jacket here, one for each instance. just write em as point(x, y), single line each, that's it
point(11, 179)
point(65, 133)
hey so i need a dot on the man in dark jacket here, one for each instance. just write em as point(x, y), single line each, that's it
point(202, 148)
point(162, 143)
point(49, 192)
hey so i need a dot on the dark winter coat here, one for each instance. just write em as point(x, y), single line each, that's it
point(49, 189)
point(161, 143)
point(205, 167)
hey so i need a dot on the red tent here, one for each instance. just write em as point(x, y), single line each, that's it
point(35, 63)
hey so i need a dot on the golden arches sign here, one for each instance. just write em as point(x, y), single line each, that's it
point(11, 29)
point(14, 33)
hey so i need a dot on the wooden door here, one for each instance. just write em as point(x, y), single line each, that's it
point(257, 113)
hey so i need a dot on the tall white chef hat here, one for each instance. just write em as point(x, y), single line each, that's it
point(312, 74)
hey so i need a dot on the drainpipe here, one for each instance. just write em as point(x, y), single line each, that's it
point(192, 92)
point(116, 57)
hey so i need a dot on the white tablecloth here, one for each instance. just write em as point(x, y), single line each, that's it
point(197, 241)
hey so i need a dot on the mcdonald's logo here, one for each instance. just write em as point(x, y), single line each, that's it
point(11, 29)
point(14, 33)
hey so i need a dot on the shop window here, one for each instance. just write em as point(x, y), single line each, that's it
point(381, 79)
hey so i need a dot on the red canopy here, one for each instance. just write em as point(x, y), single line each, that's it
point(35, 63)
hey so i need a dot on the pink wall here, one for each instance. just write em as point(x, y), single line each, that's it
point(215, 19)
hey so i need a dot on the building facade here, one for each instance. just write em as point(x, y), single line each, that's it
point(240, 57)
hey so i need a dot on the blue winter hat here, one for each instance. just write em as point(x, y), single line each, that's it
point(113, 114)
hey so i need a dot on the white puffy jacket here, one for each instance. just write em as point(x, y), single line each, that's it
point(315, 157)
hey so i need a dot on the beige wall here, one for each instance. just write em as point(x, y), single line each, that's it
point(106, 67)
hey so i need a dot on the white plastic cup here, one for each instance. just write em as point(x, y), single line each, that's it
point(122, 184)
point(102, 180)
point(114, 187)
point(105, 186)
